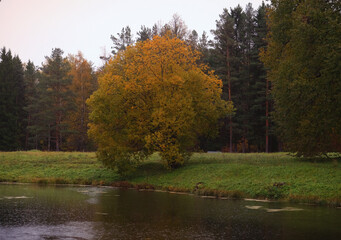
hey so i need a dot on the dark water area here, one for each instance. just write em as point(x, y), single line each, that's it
point(52, 212)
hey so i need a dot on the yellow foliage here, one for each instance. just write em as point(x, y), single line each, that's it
point(82, 86)
point(154, 97)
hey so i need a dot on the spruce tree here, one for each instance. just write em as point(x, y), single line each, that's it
point(31, 106)
point(55, 97)
point(12, 102)
point(238, 38)
point(222, 63)
point(144, 34)
point(122, 41)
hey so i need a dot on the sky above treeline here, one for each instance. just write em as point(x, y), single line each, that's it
point(32, 28)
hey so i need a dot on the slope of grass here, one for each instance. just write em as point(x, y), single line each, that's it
point(53, 167)
point(271, 176)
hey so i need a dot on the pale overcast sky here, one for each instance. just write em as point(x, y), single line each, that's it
point(31, 28)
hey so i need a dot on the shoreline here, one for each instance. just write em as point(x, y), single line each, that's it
point(150, 188)
point(259, 176)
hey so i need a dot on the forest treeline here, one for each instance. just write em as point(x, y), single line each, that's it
point(45, 107)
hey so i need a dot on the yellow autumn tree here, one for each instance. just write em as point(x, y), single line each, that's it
point(153, 96)
point(83, 85)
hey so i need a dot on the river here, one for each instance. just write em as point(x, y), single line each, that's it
point(59, 212)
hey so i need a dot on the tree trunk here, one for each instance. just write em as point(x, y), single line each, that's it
point(57, 134)
point(83, 131)
point(58, 122)
point(27, 133)
point(36, 141)
point(49, 139)
point(243, 145)
point(267, 117)
point(229, 89)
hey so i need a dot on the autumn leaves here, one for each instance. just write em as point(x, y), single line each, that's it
point(154, 97)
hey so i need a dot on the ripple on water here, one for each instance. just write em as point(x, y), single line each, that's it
point(70, 230)
point(16, 197)
point(286, 209)
point(272, 210)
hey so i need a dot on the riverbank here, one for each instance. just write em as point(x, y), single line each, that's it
point(260, 176)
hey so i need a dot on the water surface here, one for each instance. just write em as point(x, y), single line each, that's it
point(50, 212)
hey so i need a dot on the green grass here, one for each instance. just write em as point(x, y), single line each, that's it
point(53, 167)
point(256, 175)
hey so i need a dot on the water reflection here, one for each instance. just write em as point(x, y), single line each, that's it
point(34, 212)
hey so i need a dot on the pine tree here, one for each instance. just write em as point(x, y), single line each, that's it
point(144, 34)
point(123, 40)
point(56, 96)
point(238, 39)
point(259, 136)
point(193, 39)
point(222, 61)
point(31, 98)
point(42, 115)
point(244, 31)
point(204, 47)
point(19, 92)
point(12, 114)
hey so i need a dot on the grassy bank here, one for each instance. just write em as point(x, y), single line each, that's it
point(264, 176)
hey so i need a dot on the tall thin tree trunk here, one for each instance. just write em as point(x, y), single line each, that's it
point(247, 104)
point(58, 123)
point(82, 117)
point(36, 141)
point(60, 138)
point(49, 139)
point(267, 117)
point(229, 89)
point(27, 134)
point(57, 134)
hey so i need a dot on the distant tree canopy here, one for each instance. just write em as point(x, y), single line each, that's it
point(154, 97)
point(304, 61)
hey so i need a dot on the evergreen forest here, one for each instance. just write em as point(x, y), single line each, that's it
point(280, 66)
